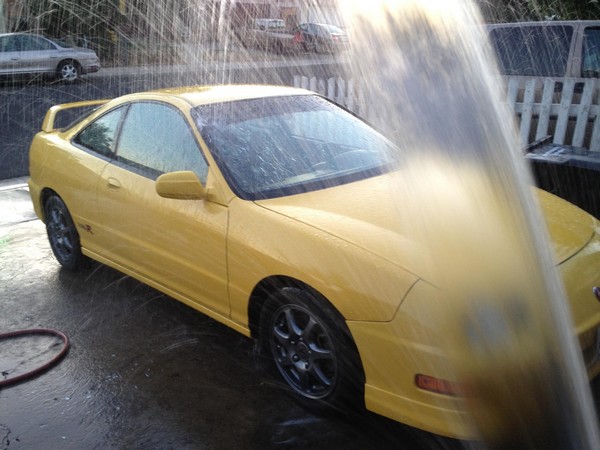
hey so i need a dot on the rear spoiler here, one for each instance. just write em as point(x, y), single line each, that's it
point(48, 123)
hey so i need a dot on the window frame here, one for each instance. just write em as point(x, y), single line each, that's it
point(141, 169)
point(112, 155)
point(498, 36)
point(584, 34)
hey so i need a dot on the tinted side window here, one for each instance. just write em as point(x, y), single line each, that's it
point(34, 43)
point(100, 136)
point(8, 44)
point(156, 139)
point(591, 53)
point(532, 50)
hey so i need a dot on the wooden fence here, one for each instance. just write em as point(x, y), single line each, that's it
point(562, 111)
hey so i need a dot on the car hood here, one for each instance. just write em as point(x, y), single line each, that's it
point(369, 213)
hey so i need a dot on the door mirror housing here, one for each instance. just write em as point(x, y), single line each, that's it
point(184, 185)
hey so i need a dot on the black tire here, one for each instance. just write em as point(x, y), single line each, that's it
point(318, 47)
point(313, 351)
point(62, 234)
point(68, 71)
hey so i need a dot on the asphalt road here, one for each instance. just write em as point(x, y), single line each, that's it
point(23, 103)
point(143, 370)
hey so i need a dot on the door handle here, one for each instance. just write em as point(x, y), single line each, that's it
point(113, 184)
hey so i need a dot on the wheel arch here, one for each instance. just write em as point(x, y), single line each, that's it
point(45, 194)
point(259, 300)
point(270, 285)
point(260, 295)
point(68, 60)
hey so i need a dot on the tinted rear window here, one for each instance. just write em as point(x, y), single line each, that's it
point(532, 50)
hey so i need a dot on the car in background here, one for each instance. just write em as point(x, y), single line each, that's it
point(322, 37)
point(268, 34)
point(547, 48)
point(271, 210)
point(30, 54)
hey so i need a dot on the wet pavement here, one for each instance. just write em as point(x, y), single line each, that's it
point(143, 370)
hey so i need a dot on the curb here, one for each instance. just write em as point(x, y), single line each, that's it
point(13, 183)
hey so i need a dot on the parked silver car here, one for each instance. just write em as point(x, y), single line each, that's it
point(24, 53)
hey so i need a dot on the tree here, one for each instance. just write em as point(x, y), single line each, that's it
point(523, 10)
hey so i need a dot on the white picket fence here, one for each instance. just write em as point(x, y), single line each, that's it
point(562, 111)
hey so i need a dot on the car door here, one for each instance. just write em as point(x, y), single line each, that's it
point(38, 55)
point(175, 244)
point(9, 54)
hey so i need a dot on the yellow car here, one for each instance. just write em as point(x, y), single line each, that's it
point(270, 210)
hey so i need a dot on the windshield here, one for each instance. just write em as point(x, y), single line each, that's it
point(335, 30)
point(277, 146)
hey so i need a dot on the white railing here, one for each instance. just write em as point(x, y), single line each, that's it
point(342, 92)
point(562, 111)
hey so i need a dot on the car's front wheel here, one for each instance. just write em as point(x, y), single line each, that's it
point(312, 349)
point(318, 47)
point(68, 71)
point(62, 234)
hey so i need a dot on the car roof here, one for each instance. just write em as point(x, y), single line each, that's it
point(21, 33)
point(202, 95)
point(544, 23)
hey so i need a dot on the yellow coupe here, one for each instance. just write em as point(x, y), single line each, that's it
point(270, 210)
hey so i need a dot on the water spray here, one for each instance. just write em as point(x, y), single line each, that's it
point(432, 89)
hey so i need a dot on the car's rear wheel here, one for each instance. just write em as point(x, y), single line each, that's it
point(312, 349)
point(62, 234)
point(68, 71)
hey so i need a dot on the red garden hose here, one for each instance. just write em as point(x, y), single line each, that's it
point(43, 367)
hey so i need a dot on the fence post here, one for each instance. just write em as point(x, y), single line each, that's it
point(527, 112)
point(321, 87)
point(584, 112)
point(545, 109)
point(331, 88)
point(563, 112)
point(512, 93)
point(341, 92)
point(350, 104)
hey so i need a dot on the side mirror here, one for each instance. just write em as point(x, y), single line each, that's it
point(183, 185)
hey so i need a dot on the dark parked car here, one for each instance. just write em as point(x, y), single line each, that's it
point(24, 53)
point(322, 37)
